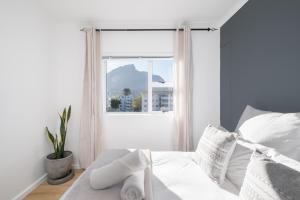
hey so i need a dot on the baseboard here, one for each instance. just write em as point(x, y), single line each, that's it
point(30, 188)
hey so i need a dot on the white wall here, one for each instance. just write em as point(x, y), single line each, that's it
point(41, 71)
point(26, 101)
point(139, 131)
point(206, 58)
point(129, 130)
point(67, 61)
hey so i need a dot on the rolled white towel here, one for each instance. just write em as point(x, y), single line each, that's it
point(118, 170)
point(133, 187)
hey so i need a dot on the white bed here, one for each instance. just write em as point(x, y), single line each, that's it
point(175, 176)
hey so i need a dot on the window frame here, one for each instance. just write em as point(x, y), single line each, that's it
point(150, 85)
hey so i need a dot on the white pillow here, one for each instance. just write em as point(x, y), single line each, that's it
point(249, 113)
point(275, 130)
point(214, 151)
point(270, 180)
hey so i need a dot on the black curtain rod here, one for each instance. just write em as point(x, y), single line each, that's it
point(162, 29)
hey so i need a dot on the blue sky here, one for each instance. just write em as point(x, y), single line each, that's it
point(164, 69)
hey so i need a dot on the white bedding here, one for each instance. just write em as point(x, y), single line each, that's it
point(81, 189)
point(177, 176)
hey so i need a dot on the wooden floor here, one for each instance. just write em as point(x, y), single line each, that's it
point(51, 192)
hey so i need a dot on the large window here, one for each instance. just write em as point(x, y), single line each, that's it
point(139, 84)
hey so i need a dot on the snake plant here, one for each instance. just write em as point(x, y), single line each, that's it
point(59, 142)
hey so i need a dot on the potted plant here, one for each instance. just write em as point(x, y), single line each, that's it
point(59, 163)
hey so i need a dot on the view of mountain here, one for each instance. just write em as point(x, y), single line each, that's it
point(128, 77)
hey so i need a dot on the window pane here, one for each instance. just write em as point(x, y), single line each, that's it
point(162, 70)
point(126, 85)
point(162, 85)
point(162, 99)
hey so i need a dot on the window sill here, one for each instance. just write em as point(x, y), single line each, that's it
point(158, 113)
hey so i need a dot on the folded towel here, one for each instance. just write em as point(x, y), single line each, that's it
point(148, 183)
point(133, 187)
point(118, 170)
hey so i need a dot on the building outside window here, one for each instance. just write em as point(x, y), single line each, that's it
point(139, 84)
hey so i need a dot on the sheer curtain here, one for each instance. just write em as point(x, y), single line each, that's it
point(90, 143)
point(183, 89)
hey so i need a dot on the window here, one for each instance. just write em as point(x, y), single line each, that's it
point(139, 84)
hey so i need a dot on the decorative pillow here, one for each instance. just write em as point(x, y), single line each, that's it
point(268, 180)
point(276, 130)
point(214, 151)
point(240, 159)
point(238, 163)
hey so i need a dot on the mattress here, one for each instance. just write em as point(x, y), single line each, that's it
point(174, 176)
point(177, 176)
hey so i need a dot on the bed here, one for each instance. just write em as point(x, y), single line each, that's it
point(180, 176)
point(161, 184)
point(177, 176)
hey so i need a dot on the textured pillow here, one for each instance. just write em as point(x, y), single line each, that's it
point(249, 113)
point(276, 130)
point(238, 163)
point(268, 180)
point(214, 151)
point(240, 159)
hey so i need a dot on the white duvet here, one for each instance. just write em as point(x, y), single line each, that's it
point(176, 176)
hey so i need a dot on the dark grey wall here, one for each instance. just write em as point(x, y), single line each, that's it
point(260, 59)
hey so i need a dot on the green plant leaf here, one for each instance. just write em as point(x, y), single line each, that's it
point(62, 125)
point(55, 146)
point(64, 114)
point(69, 113)
point(50, 136)
point(61, 149)
point(62, 131)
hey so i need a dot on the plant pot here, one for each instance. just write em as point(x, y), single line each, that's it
point(59, 168)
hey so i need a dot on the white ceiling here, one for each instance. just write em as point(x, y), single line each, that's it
point(142, 11)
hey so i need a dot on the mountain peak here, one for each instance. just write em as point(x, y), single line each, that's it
point(129, 66)
point(127, 76)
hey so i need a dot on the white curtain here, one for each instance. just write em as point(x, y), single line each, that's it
point(183, 89)
point(90, 143)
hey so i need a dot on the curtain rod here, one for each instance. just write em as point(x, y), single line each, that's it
point(161, 29)
point(135, 57)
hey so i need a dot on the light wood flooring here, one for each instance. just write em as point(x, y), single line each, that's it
point(51, 192)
